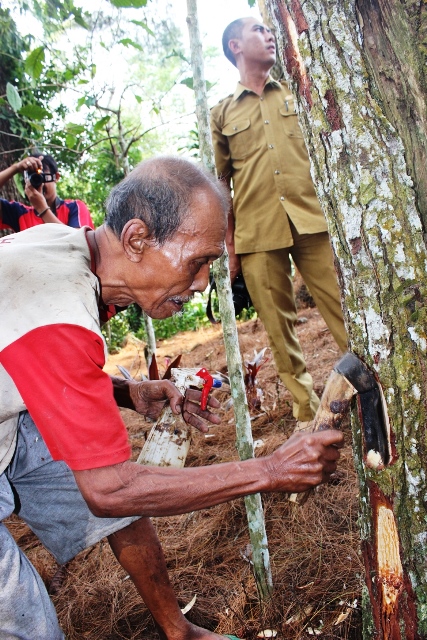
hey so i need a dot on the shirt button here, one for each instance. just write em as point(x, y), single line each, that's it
point(271, 146)
point(234, 128)
point(261, 98)
point(277, 172)
point(266, 121)
point(282, 198)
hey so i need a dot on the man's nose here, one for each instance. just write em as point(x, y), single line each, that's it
point(201, 280)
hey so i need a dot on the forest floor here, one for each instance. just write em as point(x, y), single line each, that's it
point(314, 548)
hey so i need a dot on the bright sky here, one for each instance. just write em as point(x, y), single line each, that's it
point(214, 16)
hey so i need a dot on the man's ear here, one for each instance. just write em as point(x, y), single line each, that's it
point(135, 238)
point(234, 46)
point(57, 176)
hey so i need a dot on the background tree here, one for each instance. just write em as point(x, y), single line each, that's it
point(244, 439)
point(358, 70)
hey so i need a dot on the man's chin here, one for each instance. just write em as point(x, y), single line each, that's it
point(167, 310)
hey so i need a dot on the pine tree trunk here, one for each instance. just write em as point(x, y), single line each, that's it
point(357, 69)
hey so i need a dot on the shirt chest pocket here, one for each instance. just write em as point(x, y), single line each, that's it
point(289, 118)
point(241, 139)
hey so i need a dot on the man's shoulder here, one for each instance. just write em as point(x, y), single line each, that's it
point(284, 85)
point(221, 104)
point(15, 204)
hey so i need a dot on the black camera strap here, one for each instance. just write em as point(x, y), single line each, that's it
point(209, 311)
point(55, 206)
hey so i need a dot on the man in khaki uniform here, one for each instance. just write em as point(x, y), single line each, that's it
point(261, 154)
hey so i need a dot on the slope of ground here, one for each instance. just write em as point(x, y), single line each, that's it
point(314, 548)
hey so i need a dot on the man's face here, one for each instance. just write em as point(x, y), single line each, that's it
point(48, 189)
point(257, 43)
point(167, 276)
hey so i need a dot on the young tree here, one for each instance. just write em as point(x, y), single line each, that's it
point(358, 71)
point(244, 444)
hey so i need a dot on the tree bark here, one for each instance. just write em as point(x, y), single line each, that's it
point(357, 69)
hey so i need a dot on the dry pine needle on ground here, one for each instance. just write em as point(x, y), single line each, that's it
point(314, 548)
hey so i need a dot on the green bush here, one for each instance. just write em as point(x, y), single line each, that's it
point(193, 317)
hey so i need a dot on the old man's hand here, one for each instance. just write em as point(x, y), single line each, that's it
point(149, 398)
point(304, 461)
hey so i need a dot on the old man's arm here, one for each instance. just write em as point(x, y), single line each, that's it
point(126, 489)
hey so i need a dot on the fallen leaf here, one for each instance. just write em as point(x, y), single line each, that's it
point(342, 616)
point(267, 633)
point(189, 605)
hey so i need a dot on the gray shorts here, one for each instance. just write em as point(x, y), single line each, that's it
point(44, 494)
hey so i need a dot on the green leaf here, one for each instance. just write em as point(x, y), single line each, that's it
point(188, 82)
point(80, 102)
point(126, 4)
point(138, 99)
point(127, 42)
point(139, 23)
point(13, 97)
point(75, 129)
point(34, 63)
point(78, 17)
point(17, 178)
point(98, 126)
point(34, 112)
point(89, 101)
point(251, 3)
point(70, 141)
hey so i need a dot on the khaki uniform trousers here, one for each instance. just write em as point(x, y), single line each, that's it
point(268, 276)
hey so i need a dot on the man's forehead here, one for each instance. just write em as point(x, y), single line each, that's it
point(250, 23)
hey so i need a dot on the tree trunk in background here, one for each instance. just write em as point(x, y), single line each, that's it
point(11, 147)
point(244, 443)
point(357, 69)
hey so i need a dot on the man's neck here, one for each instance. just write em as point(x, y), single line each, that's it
point(254, 79)
point(108, 256)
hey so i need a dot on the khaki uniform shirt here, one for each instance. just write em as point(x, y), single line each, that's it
point(259, 145)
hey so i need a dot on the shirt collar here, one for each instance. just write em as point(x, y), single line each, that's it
point(241, 89)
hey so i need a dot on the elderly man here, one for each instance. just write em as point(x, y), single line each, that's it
point(260, 152)
point(66, 470)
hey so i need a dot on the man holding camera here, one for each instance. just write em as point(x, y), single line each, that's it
point(41, 175)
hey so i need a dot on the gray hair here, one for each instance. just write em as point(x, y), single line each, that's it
point(159, 191)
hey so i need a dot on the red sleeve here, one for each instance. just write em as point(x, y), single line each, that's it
point(58, 372)
point(84, 215)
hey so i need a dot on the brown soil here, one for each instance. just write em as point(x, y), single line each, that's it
point(313, 548)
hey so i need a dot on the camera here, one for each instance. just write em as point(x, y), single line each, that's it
point(38, 178)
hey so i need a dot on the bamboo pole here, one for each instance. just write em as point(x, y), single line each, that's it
point(253, 503)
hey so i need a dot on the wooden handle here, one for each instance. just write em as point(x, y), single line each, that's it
point(334, 403)
point(334, 407)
